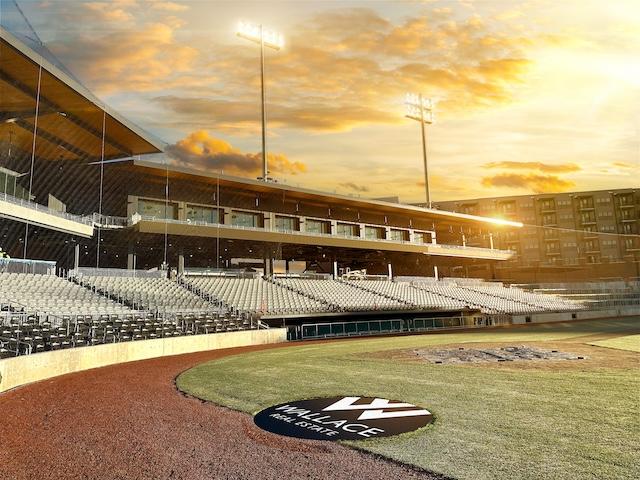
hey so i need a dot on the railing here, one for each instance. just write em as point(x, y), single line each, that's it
point(219, 272)
point(86, 220)
point(375, 327)
point(110, 221)
point(139, 218)
point(17, 265)
point(116, 272)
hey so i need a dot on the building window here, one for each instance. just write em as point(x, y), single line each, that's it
point(587, 217)
point(197, 213)
point(286, 224)
point(348, 230)
point(548, 204)
point(549, 219)
point(399, 235)
point(246, 219)
point(157, 209)
point(318, 226)
point(422, 237)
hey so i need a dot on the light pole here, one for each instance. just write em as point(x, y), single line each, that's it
point(421, 110)
point(264, 38)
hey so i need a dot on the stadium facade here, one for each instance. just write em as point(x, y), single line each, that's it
point(74, 176)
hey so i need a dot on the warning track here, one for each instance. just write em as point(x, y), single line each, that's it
point(128, 421)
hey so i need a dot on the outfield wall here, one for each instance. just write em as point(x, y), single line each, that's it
point(41, 366)
point(582, 315)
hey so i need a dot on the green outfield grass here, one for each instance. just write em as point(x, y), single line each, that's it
point(629, 342)
point(491, 422)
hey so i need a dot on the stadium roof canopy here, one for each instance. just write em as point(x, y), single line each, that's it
point(69, 117)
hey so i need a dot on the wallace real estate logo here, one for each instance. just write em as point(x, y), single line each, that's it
point(342, 418)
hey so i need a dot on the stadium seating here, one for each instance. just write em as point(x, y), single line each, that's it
point(54, 295)
point(344, 296)
point(24, 334)
point(154, 294)
point(44, 312)
point(257, 295)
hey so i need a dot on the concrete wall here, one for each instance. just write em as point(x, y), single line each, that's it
point(32, 368)
point(567, 316)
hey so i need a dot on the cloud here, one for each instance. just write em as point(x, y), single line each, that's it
point(201, 151)
point(354, 187)
point(345, 68)
point(530, 181)
point(232, 115)
point(539, 166)
point(168, 6)
point(624, 166)
point(148, 58)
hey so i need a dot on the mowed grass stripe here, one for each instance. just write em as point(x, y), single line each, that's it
point(490, 423)
point(628, 342)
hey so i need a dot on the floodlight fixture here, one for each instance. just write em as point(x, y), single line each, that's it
point(270, 39)
point(420, 108)
point(260, 35)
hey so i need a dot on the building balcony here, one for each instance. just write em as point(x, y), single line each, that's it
point(33, 213)
point(156, 225)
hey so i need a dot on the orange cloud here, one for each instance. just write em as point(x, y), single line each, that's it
point(142, 59)
point(532, 182)
point(200, 150)
point(542, 167)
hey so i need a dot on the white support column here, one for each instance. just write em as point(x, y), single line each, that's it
point(335, 270)
point(491, 240)
point(390, 270)
point(435, 272)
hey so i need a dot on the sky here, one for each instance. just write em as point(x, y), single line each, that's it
point(530, 96)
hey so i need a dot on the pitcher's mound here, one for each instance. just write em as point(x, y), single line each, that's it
point(482, 355)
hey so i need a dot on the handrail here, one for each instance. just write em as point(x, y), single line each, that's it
point(312, 234)
point(86, 220)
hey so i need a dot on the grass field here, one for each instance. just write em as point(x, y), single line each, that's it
point(630, 342)
point(561, 420)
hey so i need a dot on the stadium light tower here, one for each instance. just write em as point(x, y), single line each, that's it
point(270, 39)
point(421, 110)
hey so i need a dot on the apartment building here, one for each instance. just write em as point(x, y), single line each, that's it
point(580, 234)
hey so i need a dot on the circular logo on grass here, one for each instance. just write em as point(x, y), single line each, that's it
point(342, 418)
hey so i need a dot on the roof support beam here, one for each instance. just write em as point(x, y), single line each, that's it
point(51, 138)
point(4, 76)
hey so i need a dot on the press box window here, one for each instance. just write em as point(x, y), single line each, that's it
point(374, 233)
point(157, 209)
point(197, 213)
point(348, 230)
point(318, 226)
point(246, 219)
point(286, 224)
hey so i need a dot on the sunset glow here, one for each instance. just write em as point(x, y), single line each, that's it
point(533, 96)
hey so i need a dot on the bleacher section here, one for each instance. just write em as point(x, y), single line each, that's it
point(54, 295)
point(256, 295)
point(154, 294)
point(407, 293)
point(345, 296)
point(601, 295)
point(45, 312)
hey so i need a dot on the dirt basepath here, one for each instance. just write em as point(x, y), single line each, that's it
point(128, 421)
